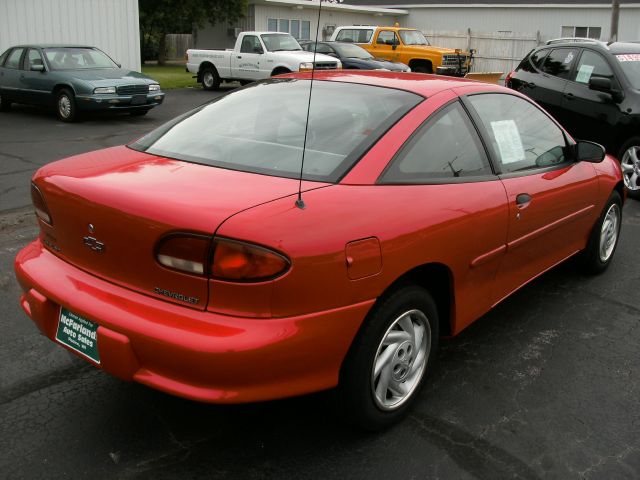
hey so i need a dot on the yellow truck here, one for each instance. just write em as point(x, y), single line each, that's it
point(408, 46)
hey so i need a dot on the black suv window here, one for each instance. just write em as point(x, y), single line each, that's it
point(559, 62)
point(445, 147)
point(592, 65)
point(534, 60)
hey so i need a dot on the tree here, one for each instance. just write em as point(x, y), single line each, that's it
point(160, 17)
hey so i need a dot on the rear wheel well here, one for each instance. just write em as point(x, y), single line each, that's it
point(203, 66)
point(438, 280)
point(279, 71)
point(421, 65)
point(620, 189)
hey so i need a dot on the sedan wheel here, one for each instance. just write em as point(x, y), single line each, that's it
point(389, 358)
point(604, 237)
point(66, 106)
point(609, 232)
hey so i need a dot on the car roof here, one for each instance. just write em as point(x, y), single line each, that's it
point(52, 45)
point(613, 47)
point(424, 85)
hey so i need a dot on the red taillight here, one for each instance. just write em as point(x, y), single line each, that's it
point(185, 252)
point(242, 262)
point(507, 79)
point(39, 204)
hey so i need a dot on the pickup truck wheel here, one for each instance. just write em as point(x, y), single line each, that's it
point(422, 68)
point(210, 79)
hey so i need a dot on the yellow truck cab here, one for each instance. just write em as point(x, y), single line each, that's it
point(408, 46)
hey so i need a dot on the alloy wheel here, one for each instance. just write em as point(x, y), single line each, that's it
point(609, 232)
point(400, 360)
point(631, 168)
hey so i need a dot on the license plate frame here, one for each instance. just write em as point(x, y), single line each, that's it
point(138, 100)
point(78, 334)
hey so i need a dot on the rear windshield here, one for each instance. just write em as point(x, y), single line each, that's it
point(261, 128)
point(630, 64)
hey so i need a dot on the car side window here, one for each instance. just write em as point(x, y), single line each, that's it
point(521, 135)
point(3, 57)
point(33, 58)
point(592, 65)
point(324, 48)
point(249, 44)
point(354, 35)
point(13, 60)
point(559, 62)
point(446, 146)
point(387, 37)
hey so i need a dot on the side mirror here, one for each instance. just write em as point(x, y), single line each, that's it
point(258, 50)
point(589, 151)
point(600, 84)
point(394, 46)
point(37, 68)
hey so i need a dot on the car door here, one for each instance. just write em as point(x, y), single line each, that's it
point(247, 61)
point(385, 45)
point(35, 83)
point(551, 197)
point(10, 75)
point(590, 114)
point(549, 87)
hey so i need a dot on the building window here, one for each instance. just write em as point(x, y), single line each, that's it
point(283, 26)
point(582, 32)
point(272, 25)
point(295, 28)
point(305, 33)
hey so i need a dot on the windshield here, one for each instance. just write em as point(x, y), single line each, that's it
point(413, 37)
point(630, 64)
point(352, 51)
point(261, 128)
point(279, 42)
point(65, 58)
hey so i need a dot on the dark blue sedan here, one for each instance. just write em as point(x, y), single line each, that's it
point(354, 57)
point(73, 79)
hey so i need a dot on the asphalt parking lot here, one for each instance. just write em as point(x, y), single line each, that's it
point(547, 385)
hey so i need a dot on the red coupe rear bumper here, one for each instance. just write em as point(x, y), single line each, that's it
point(194, 354)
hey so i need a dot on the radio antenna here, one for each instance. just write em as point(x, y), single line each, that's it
point(299, 201)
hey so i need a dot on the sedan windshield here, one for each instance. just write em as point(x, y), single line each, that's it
point(413, 37)
point(66, 58)
point(352, 51)
point(630, 64)
point(278, 42)
point(261, 128)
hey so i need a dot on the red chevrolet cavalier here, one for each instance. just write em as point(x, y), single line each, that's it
point(182, 261)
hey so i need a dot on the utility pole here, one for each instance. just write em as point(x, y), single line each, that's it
point(615, 14)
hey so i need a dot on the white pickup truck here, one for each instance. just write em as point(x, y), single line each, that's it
point(257, 55)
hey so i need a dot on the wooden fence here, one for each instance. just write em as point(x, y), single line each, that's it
point(495, 52)
point(178, 44)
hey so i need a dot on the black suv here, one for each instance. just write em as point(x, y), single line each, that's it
point(593, 89)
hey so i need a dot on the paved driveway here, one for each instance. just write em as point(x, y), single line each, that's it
point(547, 385)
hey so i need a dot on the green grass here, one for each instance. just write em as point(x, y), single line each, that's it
point(170, 76)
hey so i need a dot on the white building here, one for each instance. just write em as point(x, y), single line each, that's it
point(112, 26)
point(552, 18)
point(298, 17)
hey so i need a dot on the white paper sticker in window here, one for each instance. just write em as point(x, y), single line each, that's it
point(584, 73)
point(508, 139)
point(569, 58)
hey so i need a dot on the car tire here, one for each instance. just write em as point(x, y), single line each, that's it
point(630, 161)
point(422, 68)
point(5, 105)
point(66, 105)
point(210, 79)
point(245, 82)
point(604, 237)
point(374, 400)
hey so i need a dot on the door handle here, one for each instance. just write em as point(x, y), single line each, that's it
point(239, 56)
point(531, 85)
point(523, 200)
point(569, 96)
